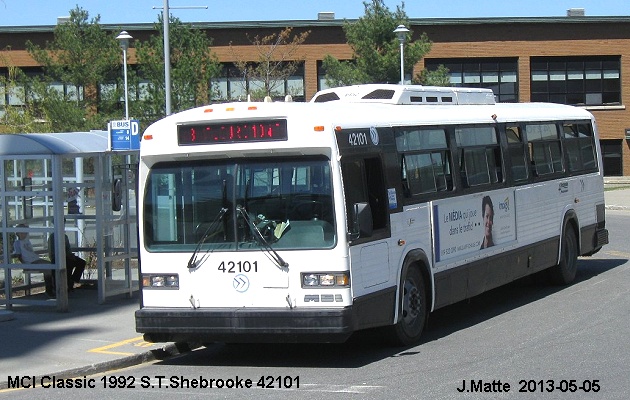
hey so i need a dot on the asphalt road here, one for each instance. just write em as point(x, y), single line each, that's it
point(525, 340)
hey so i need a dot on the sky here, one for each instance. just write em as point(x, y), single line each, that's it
point(45, 12)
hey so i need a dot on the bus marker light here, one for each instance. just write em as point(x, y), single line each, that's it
point(208, 110)
point(147, 137)
point(318, 128)
point(342, 280)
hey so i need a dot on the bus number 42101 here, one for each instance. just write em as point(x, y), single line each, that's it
point(232, 267)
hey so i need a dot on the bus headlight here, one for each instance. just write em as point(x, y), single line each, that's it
point(310, 280)
point(160, 281)
point(330, 279)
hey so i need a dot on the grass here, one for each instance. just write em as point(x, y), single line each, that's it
point(611, 187)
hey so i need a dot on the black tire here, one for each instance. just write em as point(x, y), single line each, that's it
point(413, 311)
point(564, 272)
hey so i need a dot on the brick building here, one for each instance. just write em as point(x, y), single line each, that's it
point(578, 60)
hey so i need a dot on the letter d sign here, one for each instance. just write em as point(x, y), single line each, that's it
point(135, 135)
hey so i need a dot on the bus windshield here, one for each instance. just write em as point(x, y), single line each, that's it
point(285, 203)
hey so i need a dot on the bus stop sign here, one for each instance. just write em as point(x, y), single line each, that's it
point(124, 135)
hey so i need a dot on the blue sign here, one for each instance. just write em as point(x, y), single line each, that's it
point(124, 135)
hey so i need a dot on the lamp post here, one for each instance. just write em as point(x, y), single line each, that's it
point(401, 32)
point(124, 39)
point(167, 53)
point(167, 59)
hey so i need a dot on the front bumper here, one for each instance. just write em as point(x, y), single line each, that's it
point(245, 325)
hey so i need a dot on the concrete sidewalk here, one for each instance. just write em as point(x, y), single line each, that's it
point(617, 199)
point(90, 338)
point(93, 338)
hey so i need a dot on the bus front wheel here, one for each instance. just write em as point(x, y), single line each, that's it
point(564, 272)
point(413, 313)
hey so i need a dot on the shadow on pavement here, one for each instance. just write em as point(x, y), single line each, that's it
point(369, 346)
point(36, 328)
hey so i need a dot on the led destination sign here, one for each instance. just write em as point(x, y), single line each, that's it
point(232, 132)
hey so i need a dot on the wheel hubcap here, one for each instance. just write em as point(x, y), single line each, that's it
point(413, 303)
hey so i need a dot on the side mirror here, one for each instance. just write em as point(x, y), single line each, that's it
point(117, 195)
point(362, 224)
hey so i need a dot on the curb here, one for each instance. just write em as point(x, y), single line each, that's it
point(166, 352)
point(612, 207)
point(6, 316)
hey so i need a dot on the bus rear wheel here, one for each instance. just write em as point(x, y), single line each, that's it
point(564, 272)
point(413, 311)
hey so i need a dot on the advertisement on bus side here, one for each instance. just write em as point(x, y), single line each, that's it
point(463, 226)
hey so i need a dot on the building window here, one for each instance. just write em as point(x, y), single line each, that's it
point(586, 81)
point(612, 150)
point(500, 75)
point(321, 77)
point(19, 93)
point(233, 85)
point(3, 101)
point(322, 83)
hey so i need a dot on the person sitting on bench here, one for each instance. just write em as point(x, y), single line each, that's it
point(74, 264)
point(23, 250)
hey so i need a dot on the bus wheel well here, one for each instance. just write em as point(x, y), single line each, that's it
point(418, 259)
point(423, 267)
point(564, 272)
point(572, 223)
point(413, 303)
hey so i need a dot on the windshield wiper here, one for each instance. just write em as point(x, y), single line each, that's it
point(275, 257)
point(193, 262)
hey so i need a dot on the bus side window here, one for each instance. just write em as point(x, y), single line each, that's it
point(425, 161)
point(363, 183)
point(579, 147)
point(516, 149)
point(544, 148)
point(404, 178)
point(376, 192)
point(480, 161)
point(477, 168)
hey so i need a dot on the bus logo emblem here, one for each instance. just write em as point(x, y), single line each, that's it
point(374, 135)
point(241, 283)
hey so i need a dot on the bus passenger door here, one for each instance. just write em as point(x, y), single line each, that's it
point(369, 256)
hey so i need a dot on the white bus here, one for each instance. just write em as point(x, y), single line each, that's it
point(370, 206)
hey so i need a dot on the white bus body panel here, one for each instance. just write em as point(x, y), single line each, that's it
point(536, 212)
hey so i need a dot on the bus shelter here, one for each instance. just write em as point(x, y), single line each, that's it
point(72, 184)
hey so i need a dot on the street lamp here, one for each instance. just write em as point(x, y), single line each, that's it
point(124, 39)
point(401, 32)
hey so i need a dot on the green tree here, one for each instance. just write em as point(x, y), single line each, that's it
point(22, 119)
point(376, 48)
point(82, 57)
point(192, 65)
point(276, 62)
point(438, 77)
